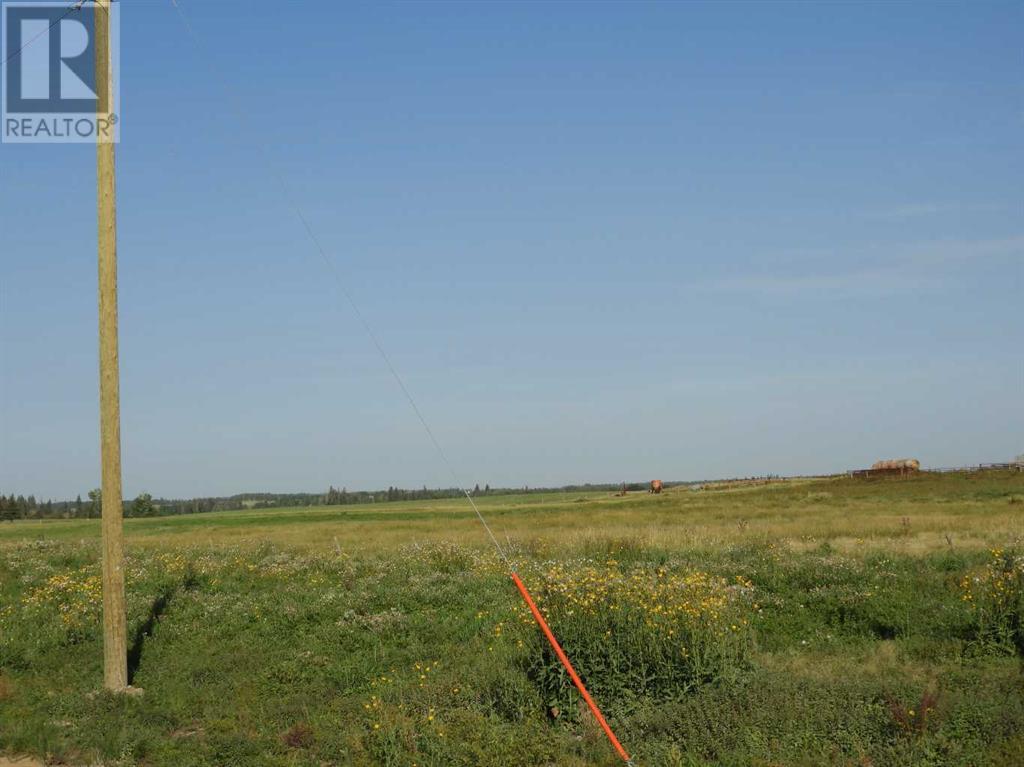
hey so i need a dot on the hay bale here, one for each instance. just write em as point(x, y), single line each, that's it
point(910, 464)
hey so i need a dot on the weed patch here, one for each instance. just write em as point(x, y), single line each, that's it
point(638, 631)
point(995, 594)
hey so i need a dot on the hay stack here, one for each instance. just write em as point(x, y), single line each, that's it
point(911, 464)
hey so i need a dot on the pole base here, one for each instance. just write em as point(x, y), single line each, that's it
point(132, 692)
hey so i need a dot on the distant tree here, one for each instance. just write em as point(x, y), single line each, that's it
point(143, 506)
point(487, 489)
point(78, 505)
point(476, 489)
point(95, 502)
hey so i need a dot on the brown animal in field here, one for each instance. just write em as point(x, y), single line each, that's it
point(655, 486)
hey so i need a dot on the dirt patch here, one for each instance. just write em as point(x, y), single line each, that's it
point(194, 731)
point(20, 761)
point(299, 736)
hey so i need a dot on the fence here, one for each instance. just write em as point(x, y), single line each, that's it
point(1016, 466)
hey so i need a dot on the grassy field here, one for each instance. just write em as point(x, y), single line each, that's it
point(816, 622)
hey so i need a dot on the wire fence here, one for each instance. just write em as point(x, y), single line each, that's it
point(1014, 466)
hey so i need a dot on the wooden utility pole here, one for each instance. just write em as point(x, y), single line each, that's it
point(115, 647)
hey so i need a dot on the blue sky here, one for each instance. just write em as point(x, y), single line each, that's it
point(601, 242)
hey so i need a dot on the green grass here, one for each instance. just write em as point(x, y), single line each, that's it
point(913, 515)
point(793, 624)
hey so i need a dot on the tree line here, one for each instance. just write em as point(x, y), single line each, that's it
point(145, 505)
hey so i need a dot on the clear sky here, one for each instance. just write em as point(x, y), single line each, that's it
point(600, 242)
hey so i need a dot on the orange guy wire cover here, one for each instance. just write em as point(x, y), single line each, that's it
point(568, 667)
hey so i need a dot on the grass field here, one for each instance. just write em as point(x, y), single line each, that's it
point(806, 622)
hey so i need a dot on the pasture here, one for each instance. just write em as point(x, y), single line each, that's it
point(803, 622)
